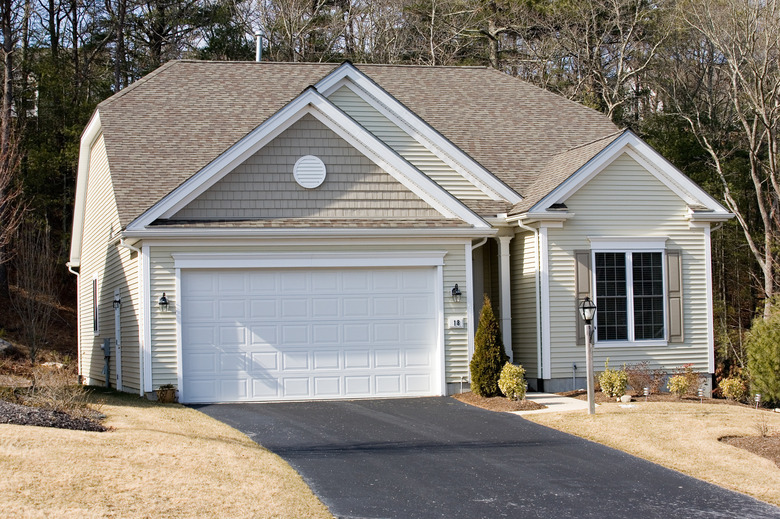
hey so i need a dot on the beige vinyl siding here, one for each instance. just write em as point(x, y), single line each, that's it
point(264, 186)
point(162, 279)
point(524, 306)
point(625, 200)
point(405, 145)
point(115, 269)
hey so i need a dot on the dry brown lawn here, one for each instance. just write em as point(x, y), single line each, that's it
point(683, 437)
point(158, 461)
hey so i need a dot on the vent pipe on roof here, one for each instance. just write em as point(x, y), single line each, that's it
point(258, 46)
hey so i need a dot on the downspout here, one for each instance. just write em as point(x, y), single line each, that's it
point(479, 244)
point(78, 319)
point(538, 298)
point(123, 243)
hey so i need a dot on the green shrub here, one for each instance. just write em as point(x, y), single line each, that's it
point(763, 352)
point(512, 381)
point(679, 385)
point(733, 388)
point(613, 382)
point(489, 355)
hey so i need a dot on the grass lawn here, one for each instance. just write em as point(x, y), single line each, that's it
point(158, 461)
point(683, 437)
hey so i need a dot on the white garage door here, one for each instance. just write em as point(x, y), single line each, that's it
point(294, 334)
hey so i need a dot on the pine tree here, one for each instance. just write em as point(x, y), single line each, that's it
point(763, 348)
point(489, 355)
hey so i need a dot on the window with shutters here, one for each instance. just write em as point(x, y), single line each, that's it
point(630, 296)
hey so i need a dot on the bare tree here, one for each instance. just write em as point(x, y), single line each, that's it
point(35, 296)
point(730, 99)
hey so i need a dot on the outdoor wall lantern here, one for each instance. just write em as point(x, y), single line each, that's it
point(163, 303)
point(587, 312)
point(116, 303)
point(456, 293)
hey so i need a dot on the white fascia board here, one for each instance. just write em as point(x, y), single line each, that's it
point(708, 216)
point(549, 217)
point(310, 102)
point(88, 138)
point(647, 157)
point(421, 131)
point(217, 260)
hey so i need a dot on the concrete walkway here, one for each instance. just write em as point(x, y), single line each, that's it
point(555, 403)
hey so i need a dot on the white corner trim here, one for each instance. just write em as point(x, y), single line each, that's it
point(544, 267)
point(242, 260)
point(470, 322)
point(311, 102)
point(91, 133)
point(147, 318)
point(440, 345)
point(710, 303)
point(648, 158)
point(626, 243)
point(179, 355)
point(356, 81)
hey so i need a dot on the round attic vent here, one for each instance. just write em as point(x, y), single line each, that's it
point(309, 171)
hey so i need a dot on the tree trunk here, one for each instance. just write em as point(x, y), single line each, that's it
point(5, 124)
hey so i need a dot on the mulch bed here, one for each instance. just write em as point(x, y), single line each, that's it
point(601, 398)
point(497, 403)
point(764, 446)
point(17, 414)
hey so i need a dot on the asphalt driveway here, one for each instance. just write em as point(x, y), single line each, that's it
point(437, 457)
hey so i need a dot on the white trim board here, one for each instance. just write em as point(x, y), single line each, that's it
point(307, 260)
point(348, 75)
point(311, 102)
point(91, 133)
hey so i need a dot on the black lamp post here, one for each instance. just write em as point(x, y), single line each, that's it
point(588, 312)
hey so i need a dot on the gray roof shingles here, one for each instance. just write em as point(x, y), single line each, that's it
point(170, 124)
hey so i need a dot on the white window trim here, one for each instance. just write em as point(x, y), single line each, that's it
point(610, 245)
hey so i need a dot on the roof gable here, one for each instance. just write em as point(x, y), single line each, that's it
point(312, 103)
point(593, 158)
point(263, 186)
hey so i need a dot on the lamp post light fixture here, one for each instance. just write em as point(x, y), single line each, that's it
point(647, 393)
point(588, 312)
point(163, 303)
point(758, 399)
point(456, 294)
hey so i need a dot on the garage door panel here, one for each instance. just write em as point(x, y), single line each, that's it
point(325, 334)
point(357, 359)
point(296, 387)
point(298, 360)
point(263, 335)
point(327, 386)
point(263, 362)
point(387, 359)
point(302, 334)
point(356, 333)
point(326, 360)
point(388, 384)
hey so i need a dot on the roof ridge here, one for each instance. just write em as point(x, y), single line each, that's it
point(618, 132)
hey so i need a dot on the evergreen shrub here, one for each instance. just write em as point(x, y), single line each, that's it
point(489, 355)
point(512, 381)
point(763, 351)
point(613, 382)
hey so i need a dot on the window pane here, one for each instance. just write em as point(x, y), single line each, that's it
point(648, 295)
point(611, 295)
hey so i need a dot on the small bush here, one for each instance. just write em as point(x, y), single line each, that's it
point(489, 355)
point(640, 376)
point(512, 381)
point(55, 389)
point(679, 385)
point(613, 382)
point(733, 388)
point(763, 349)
